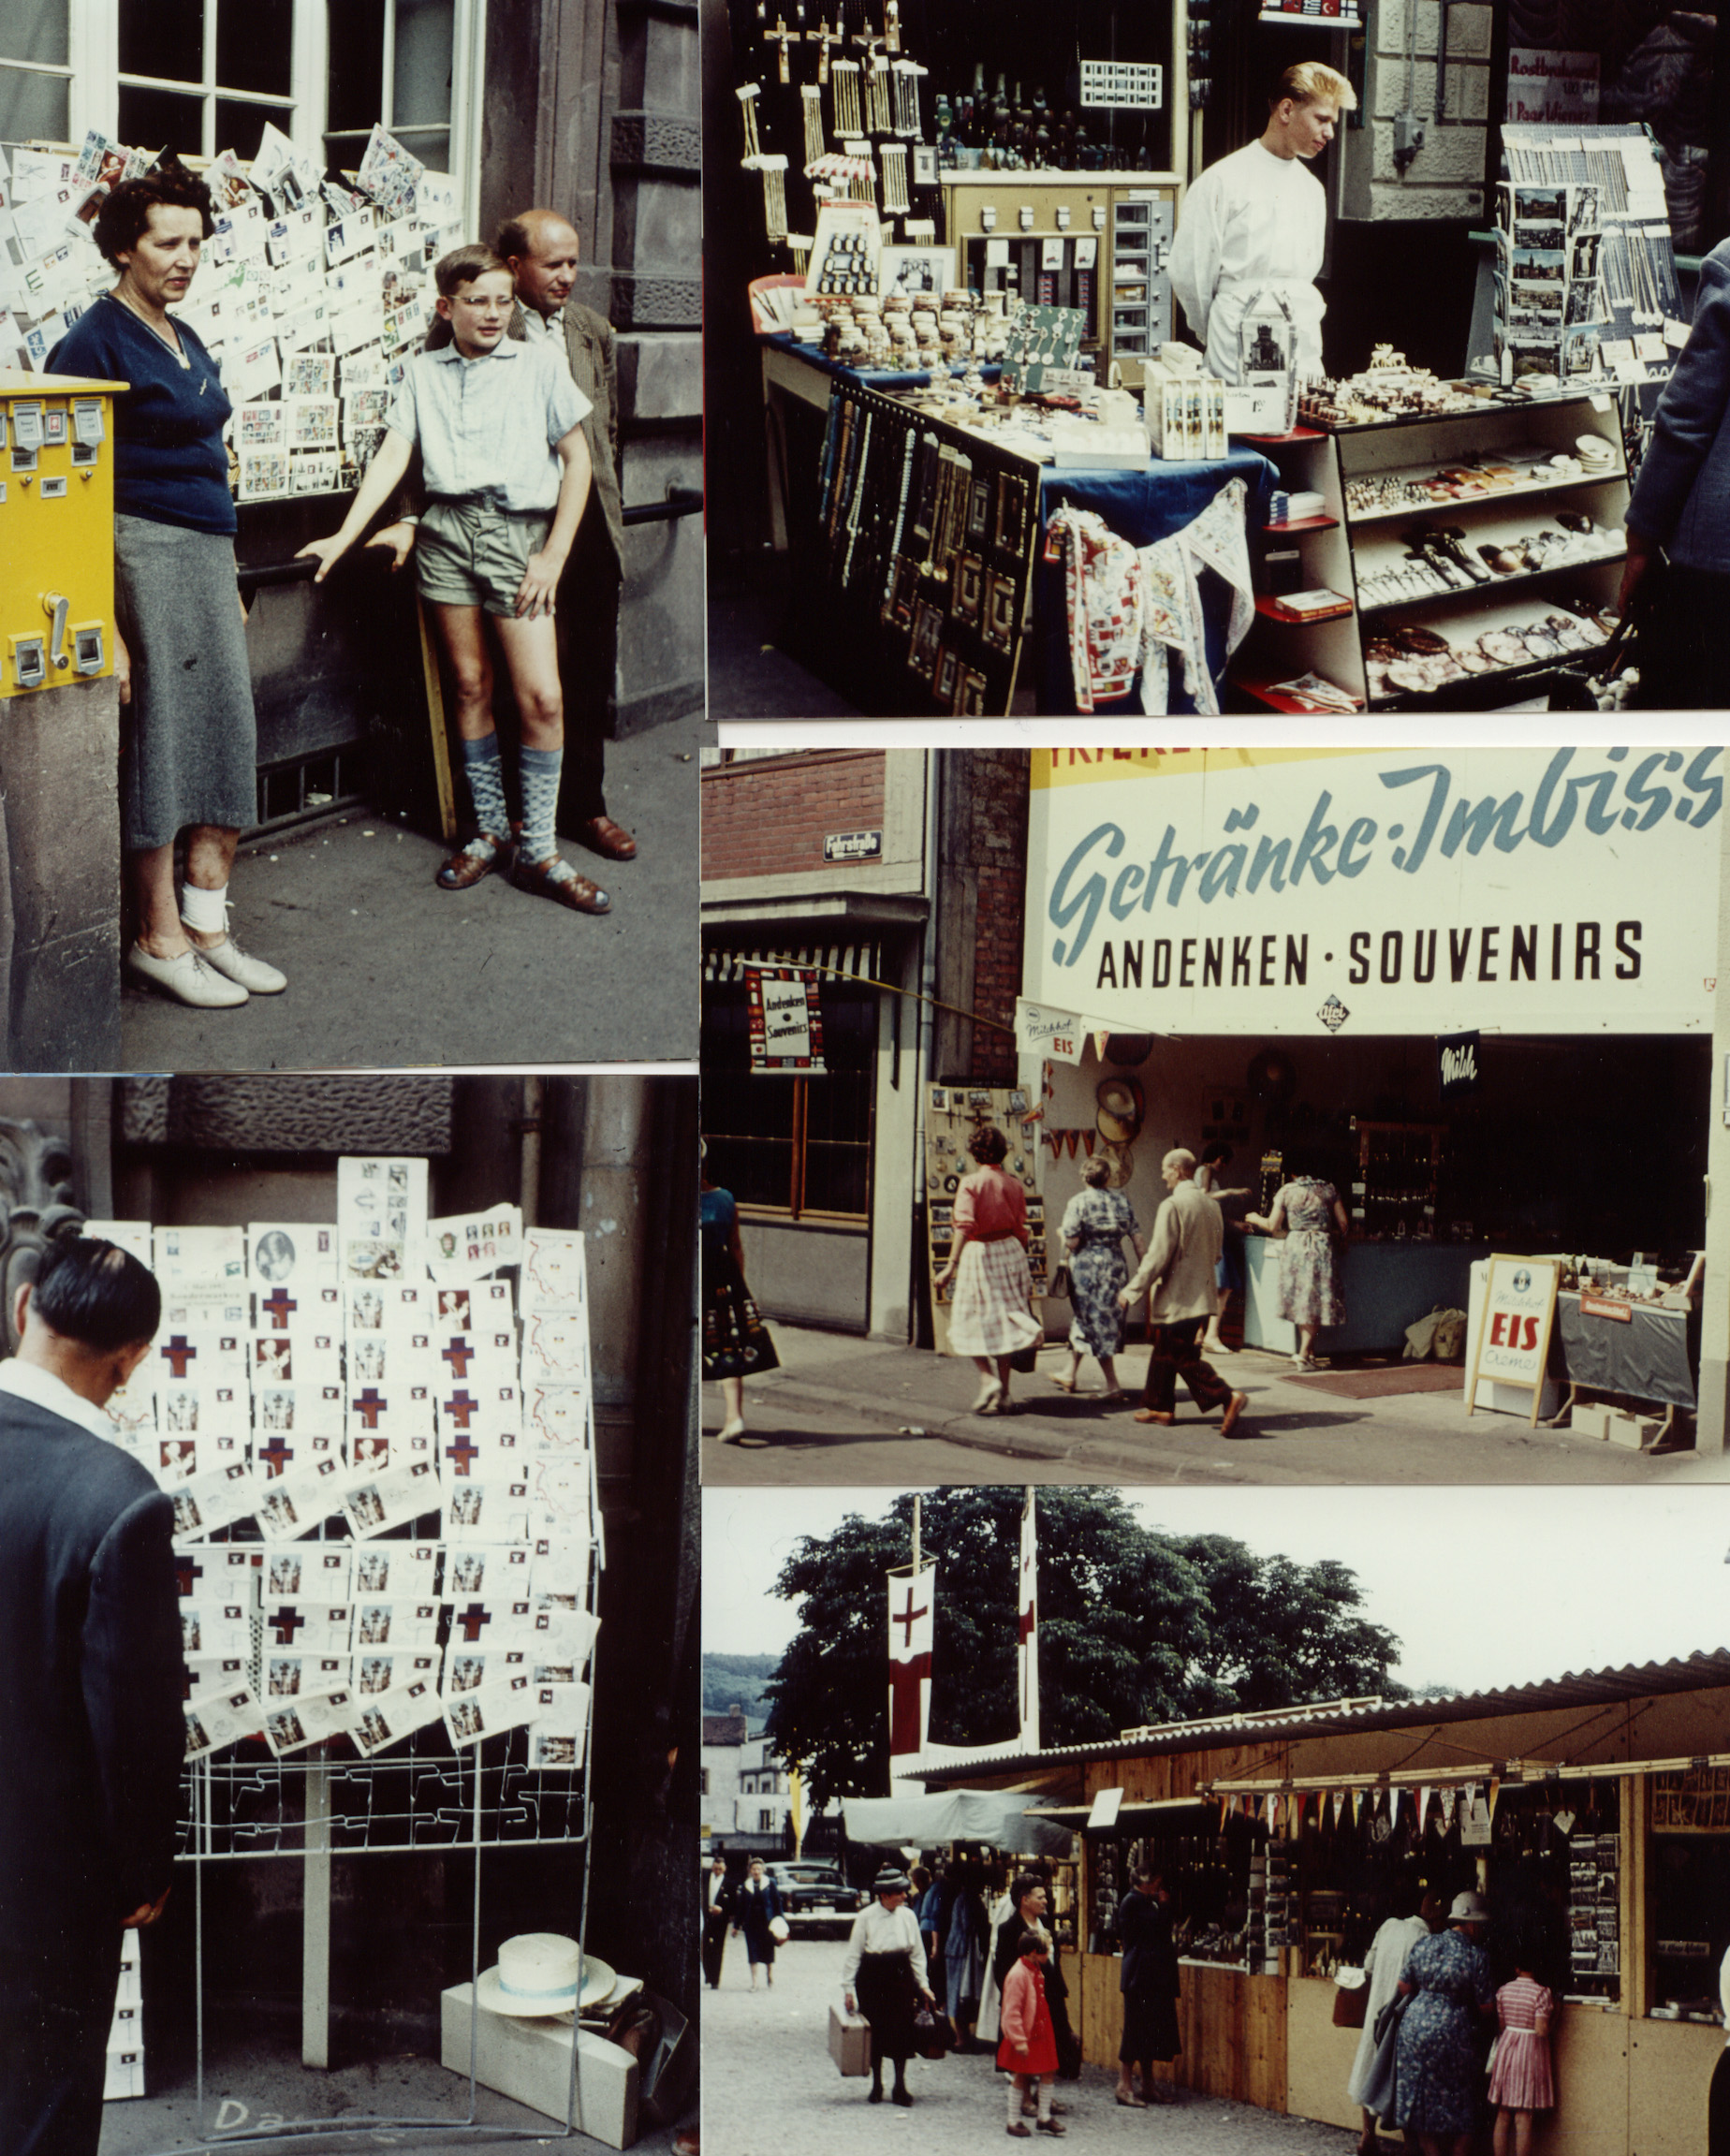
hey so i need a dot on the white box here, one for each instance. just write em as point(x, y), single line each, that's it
point(1589, 1418)
point(530, 2061)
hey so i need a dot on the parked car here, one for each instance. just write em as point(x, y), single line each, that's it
point(815, 1897)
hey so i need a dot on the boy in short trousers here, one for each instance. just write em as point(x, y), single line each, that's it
point(499, 425)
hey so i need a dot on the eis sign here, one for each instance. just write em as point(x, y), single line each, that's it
point(1409, 891)
point(1514, 1328)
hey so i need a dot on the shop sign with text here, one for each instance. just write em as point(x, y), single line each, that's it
point(785, 1020)
point(1406, 891)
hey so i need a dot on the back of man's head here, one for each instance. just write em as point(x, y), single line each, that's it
point(95, 1295)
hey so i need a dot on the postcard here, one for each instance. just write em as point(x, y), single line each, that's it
point(468, 1668)
point(479, 1361)
point(504, 1569)
point(559, 1731)
point(287, 1675)
point(559, 1496)
point(565, 1636)
point(555, 1347)
point(132, 1235)
point(307, 1410)
point(508, 1704)
point(175, 1459)
point(226, 1573)
point(260, 426)
point(388, 1410)
point(213, 1307)
point(320, 1572)
point(303, 1497)
point(311, 422)
point(486, 1511)
point(301, 1359)
point(401, 1493)
point(264, 475)
point(215, 1719)
point(384, 1718)
point(312, 1627)
point(555, 1417)
point(308, 1719)
point(209, 1627)
point(393, 1620)
point(386, 1668)
point(212, 1500)
point(552, 1269)
point(199, 1254)
point(468, 1245)
point(381, 1206)
point(214, 1673)
point(407, 1569)
point(292, 1253)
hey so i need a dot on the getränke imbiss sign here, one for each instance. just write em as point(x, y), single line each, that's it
point(1415, 891)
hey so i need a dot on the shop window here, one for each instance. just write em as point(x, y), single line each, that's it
point(35, 69)
point(1688, 1922)
point(1216, 1878)
point(394, 61)
point(792, 1144)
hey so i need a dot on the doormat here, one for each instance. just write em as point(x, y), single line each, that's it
point(1378, 1384)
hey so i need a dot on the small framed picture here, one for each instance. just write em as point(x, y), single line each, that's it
point(1011, 515)
point(927, 635)
point(968, 590)
point(979, 514)
point(970, 696)
point(925, 164)
point(999, 613)
point(944, 681)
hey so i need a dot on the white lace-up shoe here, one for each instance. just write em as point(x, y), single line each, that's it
point(187, 978)
point(240, 966)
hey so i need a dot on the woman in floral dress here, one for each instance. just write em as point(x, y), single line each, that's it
point(1095, 1221)
point(1306, 1211)
point(1438, 2069)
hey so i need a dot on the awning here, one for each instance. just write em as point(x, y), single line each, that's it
point(1148, 1813)
point(995, 1816)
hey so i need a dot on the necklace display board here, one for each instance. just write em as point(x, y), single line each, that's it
point(926, 535)
point(378, 1434)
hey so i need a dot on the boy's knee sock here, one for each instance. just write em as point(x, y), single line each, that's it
point(486, 785)
point(540, 769)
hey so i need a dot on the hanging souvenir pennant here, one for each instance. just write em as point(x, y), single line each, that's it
point(1339, 1806)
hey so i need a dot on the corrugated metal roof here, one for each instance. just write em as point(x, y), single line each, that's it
point(1584, 1688)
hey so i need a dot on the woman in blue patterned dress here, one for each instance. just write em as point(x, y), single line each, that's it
point(1095, 1221)
point(1306, 1211)
point(1438, 2071)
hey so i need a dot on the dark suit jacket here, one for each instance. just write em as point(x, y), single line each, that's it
point(92, 1735)
point(589, 344)
point(1682, 498)
point(721, 1910)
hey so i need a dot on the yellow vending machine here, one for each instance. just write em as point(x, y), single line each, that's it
point(59, 724)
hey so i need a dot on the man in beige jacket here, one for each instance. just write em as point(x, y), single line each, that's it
point(1178, 1267)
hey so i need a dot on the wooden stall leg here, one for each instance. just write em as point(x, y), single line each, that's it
point(435, 721)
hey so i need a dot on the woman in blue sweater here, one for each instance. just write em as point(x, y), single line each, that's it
point(181, 650)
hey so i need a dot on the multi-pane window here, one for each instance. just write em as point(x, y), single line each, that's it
point(203, 76)
point(35, 70)
point(797, 1145)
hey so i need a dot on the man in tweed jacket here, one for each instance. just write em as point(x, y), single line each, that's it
point(540, 248)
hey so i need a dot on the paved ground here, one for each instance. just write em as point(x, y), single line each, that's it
point(383, 968)
point(251, 2089)
point(844, 1410)
point(770, 2087)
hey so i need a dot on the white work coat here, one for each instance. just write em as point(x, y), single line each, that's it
point(1251, 223)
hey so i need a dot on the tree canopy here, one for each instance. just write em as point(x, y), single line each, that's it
point(1136, 1625)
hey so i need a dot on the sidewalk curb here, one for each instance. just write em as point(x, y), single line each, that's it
point(1141, 1460)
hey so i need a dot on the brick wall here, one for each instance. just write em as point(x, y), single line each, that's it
point(982, 899)
point(770, 817)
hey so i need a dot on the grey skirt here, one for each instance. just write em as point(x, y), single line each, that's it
point(193, 754)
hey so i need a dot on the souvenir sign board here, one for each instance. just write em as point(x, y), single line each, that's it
point(952, 1114)
point(1513, 1333)
point(785, 1019)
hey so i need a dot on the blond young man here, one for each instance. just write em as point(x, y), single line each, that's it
point(1256, 223)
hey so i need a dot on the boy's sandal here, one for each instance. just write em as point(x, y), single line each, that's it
point(557, 880)
point(479, 858)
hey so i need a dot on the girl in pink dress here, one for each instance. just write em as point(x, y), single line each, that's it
point(1520, 2080)
point(1028, 2052)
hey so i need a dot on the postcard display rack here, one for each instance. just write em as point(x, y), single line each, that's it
point(312, 294)
point(928, 536)
point(1471, 551)
point(379, 1435)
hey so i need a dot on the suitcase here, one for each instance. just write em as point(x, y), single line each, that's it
point(849, 2039)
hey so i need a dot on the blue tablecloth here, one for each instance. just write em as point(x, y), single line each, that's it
point(868, 377)
point(1140, 507)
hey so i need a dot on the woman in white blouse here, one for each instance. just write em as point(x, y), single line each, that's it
point(883, 1977)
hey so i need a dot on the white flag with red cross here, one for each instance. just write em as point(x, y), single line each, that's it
point(912, 1599)
point(1027, 1628)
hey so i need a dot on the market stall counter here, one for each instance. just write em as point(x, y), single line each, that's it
point(1388, 1286)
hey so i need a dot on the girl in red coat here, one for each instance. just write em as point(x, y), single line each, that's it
point(1028, 2053)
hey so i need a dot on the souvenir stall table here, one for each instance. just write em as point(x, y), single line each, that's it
point(1386, 1286)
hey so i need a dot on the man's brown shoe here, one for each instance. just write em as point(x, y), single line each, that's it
point(602, 836)
point(1153, 1414)
point(564, 888)
point(1234, 1408)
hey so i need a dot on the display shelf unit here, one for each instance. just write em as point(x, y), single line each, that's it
point(1398, 1185)
point(1342, 547)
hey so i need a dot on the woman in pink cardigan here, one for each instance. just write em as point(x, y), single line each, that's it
point(1028, 2053)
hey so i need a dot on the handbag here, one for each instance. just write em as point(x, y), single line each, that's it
point(933, 2034)
point(780, 1930)
point(1351, 2003)
point(1025, 1359)
point(1060, 1283)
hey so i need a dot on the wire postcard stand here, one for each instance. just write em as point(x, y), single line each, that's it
point(323, 1597)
